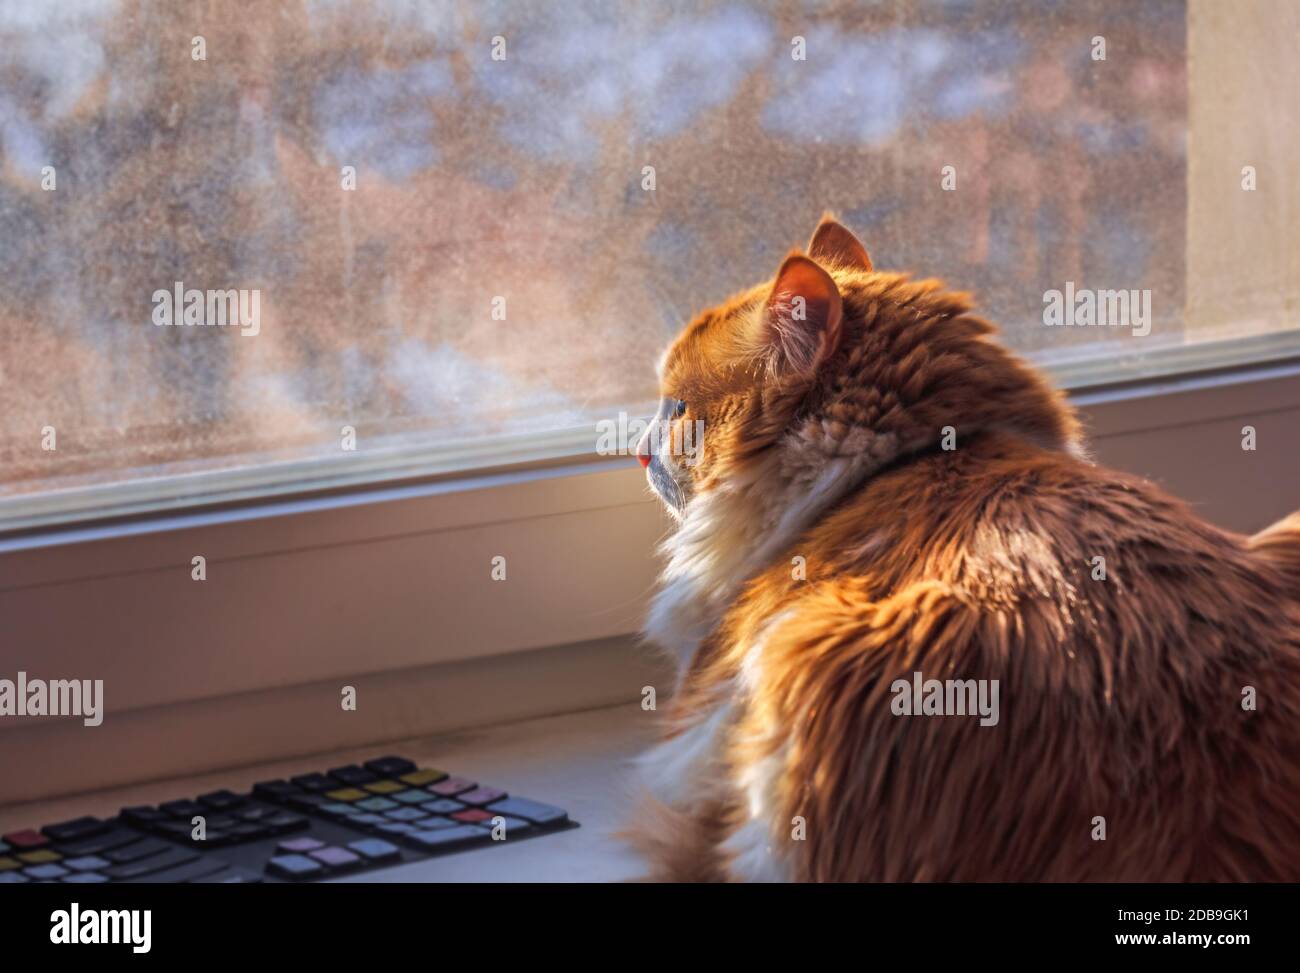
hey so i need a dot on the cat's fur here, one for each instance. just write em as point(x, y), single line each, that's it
point(1120, 699)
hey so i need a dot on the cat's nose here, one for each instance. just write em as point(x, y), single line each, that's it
point(643, 451)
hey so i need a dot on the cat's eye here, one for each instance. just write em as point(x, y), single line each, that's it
point(679, 409)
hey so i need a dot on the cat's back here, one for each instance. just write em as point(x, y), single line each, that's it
point(1115, 634)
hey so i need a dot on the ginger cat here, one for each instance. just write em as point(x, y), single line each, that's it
point(830, 548)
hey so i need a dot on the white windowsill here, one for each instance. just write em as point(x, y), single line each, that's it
point(579, 761)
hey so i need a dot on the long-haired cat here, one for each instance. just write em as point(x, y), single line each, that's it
point(890, 517)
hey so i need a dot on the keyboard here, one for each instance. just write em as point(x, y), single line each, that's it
point(385, 812)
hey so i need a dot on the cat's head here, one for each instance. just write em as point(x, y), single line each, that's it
point(808, 382)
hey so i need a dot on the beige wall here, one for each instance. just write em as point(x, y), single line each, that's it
point(1243, 261)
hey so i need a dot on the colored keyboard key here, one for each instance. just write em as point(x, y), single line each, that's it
point(336, 858)
point(451, 786)
point(299, 846)
point(39, 857)
point(347, 794)
point(544, 815)
point(471, 816)
point(406, 814)
point(481, 795)
point(375, 850)
point(445, 839)
point(509, 826)
point(444, 806)
point(86, 863)
point(26, 839)
point(294, 866)
point(423, 777)
point(412, 797)
point(84, 878)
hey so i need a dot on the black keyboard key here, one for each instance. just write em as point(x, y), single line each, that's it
point(390, 766)
point(144, 816)
point(220, 800)
point(315, 782)
point(396, 829)
point(256, 814)
point(187, 872)
point(133, 852)
point(276, 790)
point(184, 831)
point(542, 815)
point(151, 865)
point(443, 839)
point(182, 809)
point(307, 802)
point(284, 823)
point(227, 876)
point(75, 830)
point(353, 775)
point(100, 843)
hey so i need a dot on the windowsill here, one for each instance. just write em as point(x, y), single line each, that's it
point(579, 761)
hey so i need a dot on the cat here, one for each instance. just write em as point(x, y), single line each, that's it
point(884, 499)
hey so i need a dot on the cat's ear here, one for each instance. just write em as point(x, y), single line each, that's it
point(802, 317)
point(833, 243)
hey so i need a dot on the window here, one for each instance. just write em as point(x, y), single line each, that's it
point(456, 234)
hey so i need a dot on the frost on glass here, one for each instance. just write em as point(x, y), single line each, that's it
point(479, 179)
